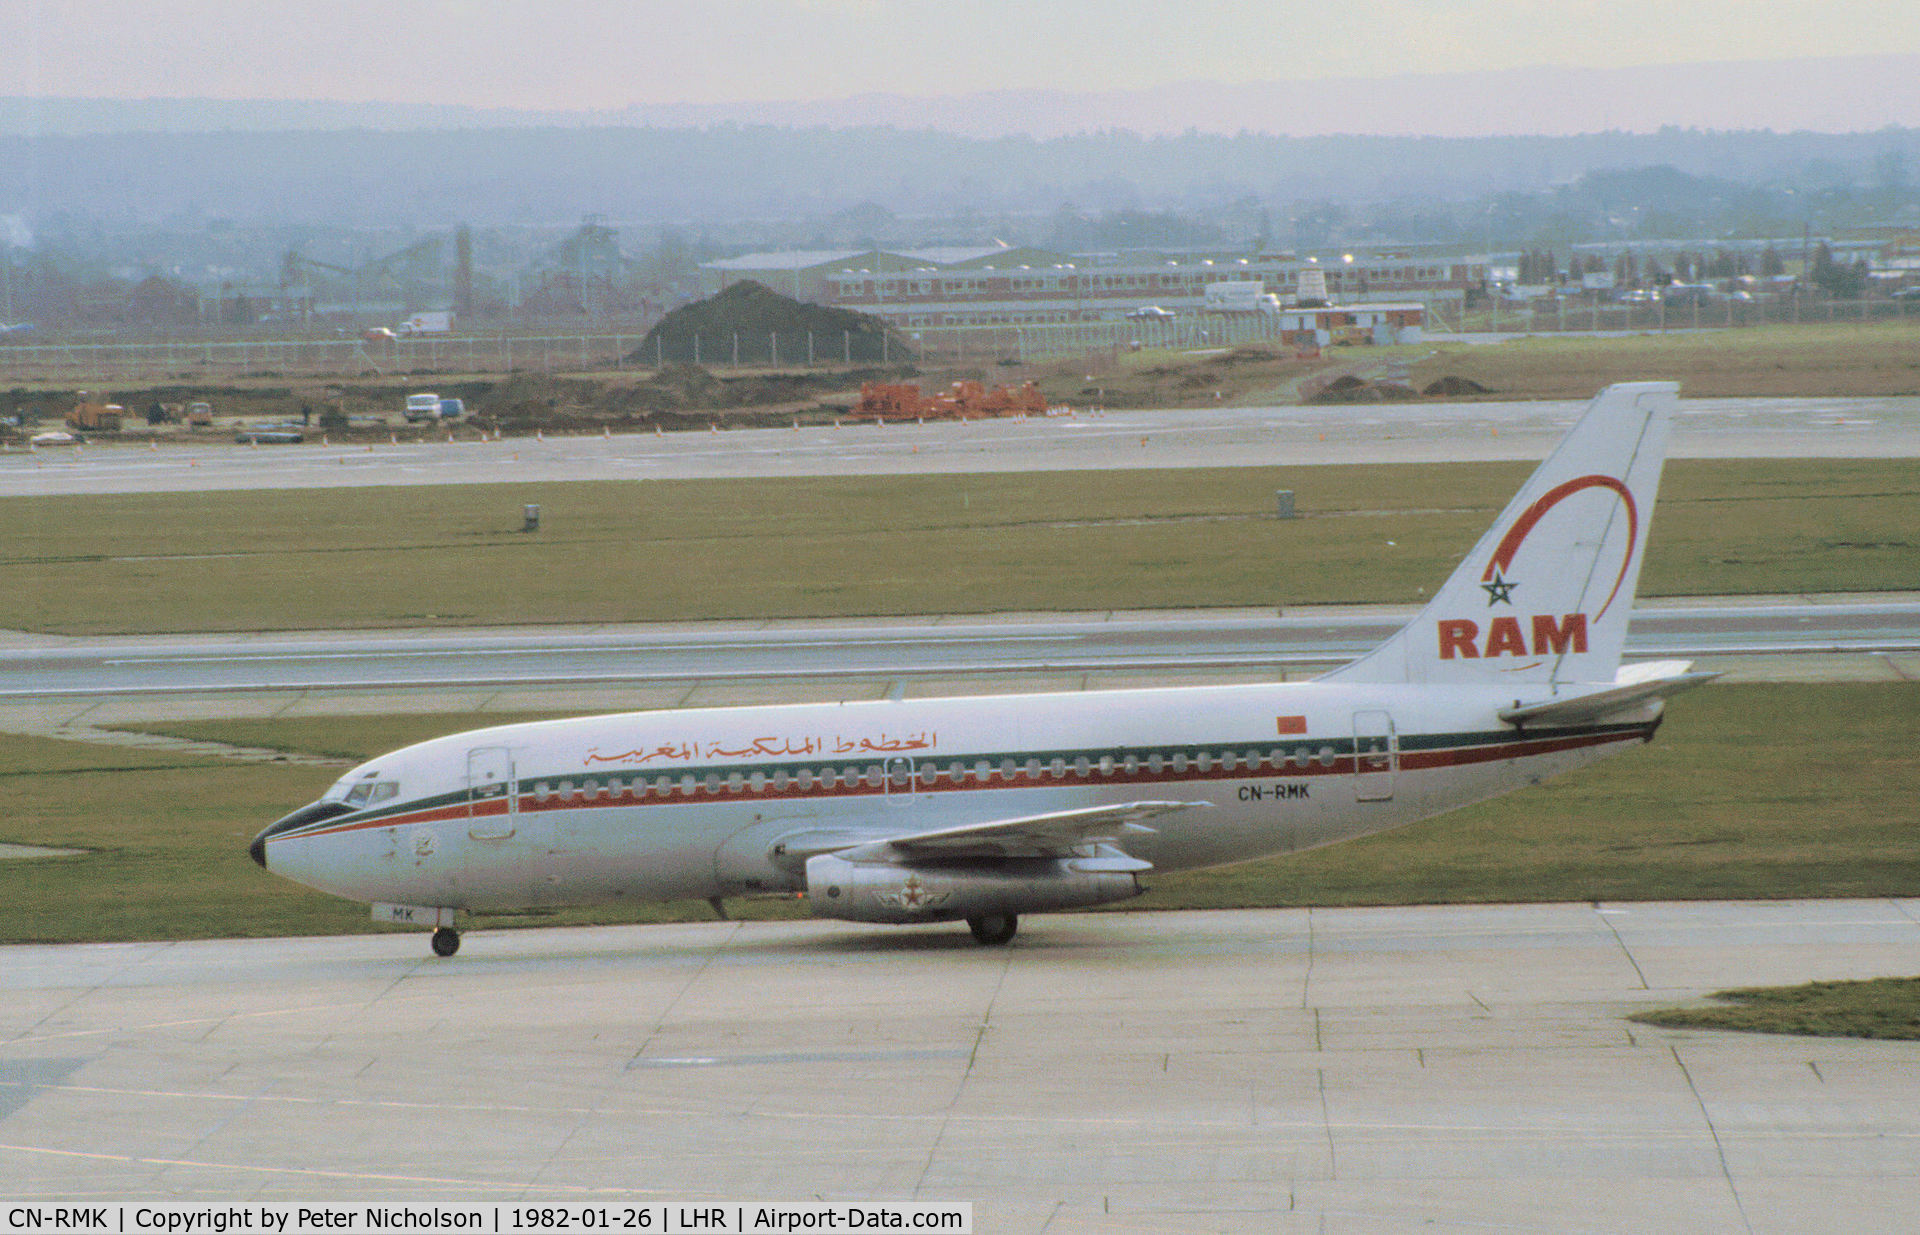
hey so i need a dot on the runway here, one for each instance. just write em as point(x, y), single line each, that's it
point(1353, 1070)
point(1195, 437)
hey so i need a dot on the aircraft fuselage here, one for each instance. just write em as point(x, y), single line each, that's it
point(730, 801)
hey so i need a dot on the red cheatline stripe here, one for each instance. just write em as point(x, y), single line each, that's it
point(1410, 761)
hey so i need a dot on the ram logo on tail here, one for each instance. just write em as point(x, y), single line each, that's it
point(1551, 637)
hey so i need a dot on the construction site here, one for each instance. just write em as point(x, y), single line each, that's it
point(962, 400)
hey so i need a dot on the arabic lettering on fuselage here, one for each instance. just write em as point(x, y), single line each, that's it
point(773, 747)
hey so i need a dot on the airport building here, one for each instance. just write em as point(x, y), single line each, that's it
point(1004, 285)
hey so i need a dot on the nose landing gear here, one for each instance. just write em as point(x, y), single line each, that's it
point(446, 941)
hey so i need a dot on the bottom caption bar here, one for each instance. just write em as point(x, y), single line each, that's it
point(706, 1218)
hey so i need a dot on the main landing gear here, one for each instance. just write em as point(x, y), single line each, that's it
point(446, 941)
point(994, 929)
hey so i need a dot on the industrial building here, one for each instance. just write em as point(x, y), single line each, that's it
point(1002, 285)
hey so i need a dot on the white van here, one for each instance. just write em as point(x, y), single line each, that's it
point(423, 407)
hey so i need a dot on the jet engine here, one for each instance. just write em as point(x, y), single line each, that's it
point(970, 889)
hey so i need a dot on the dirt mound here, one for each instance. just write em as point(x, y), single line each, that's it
point(1451, 387)
point(1350, 389)
point(749, 323)
point(677, 396)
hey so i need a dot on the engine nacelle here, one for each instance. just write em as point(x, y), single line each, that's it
point(947, 891)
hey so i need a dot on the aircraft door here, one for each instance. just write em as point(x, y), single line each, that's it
point(1376, 756)
point(493, 807)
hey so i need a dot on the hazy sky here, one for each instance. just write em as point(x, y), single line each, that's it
point(576, 54)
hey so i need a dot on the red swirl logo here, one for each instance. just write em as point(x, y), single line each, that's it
point(1510, 543)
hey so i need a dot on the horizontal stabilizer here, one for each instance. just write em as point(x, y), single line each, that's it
point(1056, 834)
point(1633, 686)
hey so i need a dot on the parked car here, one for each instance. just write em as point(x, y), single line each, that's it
point(1686, 295)
point(1150, 313)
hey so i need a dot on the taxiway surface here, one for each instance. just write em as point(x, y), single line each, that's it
point(1035, 644)
point(1349, 1070)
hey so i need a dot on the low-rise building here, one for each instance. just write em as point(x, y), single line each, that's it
point(1005, 285)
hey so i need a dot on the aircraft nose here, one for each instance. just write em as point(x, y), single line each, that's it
point(313, 812)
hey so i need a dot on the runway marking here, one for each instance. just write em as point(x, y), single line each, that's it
point(727, 1061)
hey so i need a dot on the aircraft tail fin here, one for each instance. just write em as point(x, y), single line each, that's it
point(1546, 594)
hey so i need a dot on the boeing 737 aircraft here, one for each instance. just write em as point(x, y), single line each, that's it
point(982, 809)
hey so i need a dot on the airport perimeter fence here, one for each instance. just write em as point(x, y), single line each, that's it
point(483, 354)
point(1572, 315)
point(317, 357)
point(450, 354)
point(945, 345)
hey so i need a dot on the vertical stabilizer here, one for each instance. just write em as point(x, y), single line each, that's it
point(1546, 594)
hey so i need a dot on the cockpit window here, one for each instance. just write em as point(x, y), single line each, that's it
point(369, 792)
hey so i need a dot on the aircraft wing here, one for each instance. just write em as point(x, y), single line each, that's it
point(1055, 834)
point(1633, 685)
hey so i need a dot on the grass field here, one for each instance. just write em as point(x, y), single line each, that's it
point(1877, 1008)
point(1809, 360)
point(1749, 792)
point(836, 546)
point(1878, 358)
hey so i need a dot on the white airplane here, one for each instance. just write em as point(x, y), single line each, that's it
point(982, 809)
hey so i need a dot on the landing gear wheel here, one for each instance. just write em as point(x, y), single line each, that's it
point(994, 929)
point(446, 941)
